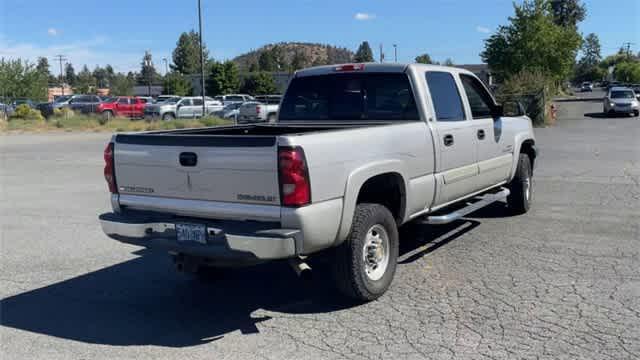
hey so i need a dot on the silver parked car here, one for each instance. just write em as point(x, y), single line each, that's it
point(621, 100)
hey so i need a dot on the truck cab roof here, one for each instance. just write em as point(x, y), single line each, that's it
point(374, 68)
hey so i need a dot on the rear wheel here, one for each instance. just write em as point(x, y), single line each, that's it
point(636, 113)
point(271, 118)
point(365, 263)
point(521, 187)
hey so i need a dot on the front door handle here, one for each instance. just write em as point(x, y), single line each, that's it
point(188, 159)
point(481, 134)
point(448, 140)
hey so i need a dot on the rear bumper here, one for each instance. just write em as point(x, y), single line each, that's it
point(228, 241)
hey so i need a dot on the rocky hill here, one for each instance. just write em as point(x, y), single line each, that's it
point(287, 56)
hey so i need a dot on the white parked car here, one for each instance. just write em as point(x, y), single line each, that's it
point(185, 107)
point(621, 100)
point(233, 98)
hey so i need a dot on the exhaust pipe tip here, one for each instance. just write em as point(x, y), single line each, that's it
point(301, 268)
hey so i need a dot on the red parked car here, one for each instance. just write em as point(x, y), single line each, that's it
point(127, 106)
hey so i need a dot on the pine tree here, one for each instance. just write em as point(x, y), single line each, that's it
point(364, 53)
point(186, 55)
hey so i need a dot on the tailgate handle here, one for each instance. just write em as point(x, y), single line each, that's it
point(188, 159)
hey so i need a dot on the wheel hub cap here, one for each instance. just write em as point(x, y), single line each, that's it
point(376, 252)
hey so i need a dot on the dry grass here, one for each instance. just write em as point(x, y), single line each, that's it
point(83, 123)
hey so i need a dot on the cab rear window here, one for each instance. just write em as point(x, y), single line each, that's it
point(364, 96)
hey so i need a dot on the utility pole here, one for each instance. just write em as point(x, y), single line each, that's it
point(395, 52)
point(628, 46)
point(204, 112)
point(147, 62)
point(60, 59)
point(381, 54)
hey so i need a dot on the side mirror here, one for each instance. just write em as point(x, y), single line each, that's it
point(497, 111)
point(179, 106)
point(513, 108)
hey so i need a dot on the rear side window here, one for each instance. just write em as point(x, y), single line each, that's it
point(124, 101)
point(197, 102)
point(445, 96)
point(364, 96)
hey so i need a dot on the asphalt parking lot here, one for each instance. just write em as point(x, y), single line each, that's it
point(561, 282)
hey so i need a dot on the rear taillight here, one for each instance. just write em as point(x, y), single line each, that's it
point(258, 109)
point(109, 169)
point(295, 189)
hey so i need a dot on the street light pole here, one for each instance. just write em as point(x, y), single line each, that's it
point(395, 52)
point(201, 57)
point(166, 66)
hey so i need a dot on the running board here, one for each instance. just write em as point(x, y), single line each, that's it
point(483, 201)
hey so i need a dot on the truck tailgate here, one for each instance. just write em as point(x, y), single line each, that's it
point(232, 168)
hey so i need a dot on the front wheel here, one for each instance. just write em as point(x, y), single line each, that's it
point(365, 262)
point(168, 117)
point(521, 187)
point(107, 115)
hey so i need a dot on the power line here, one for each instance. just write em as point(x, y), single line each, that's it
point(60, 59)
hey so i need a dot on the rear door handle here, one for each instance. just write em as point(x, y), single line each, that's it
point(481, 134)
point(448, 140)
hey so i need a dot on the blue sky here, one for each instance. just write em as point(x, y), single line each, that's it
point(119, 31)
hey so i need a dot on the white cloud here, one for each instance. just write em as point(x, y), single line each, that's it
point(52, 32)
point(364, 16)
point(78, 53)
point(482, 29)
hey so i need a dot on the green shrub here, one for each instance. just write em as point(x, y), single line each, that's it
point(533, 89)
point(63, 112)
point(27, 113)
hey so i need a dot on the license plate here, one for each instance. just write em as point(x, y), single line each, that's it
point(191, 232)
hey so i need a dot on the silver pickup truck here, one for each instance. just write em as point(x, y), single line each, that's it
point(357, 151)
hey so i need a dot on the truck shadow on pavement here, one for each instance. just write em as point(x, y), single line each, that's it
point(144, 301)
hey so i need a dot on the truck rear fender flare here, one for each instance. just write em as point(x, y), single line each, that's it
point(354, 184)
point(522, 140)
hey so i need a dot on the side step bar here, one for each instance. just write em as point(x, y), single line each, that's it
point(483, 200)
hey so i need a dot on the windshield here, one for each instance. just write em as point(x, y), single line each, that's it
point(622, 94)
point(63, 98)
point(369, 96)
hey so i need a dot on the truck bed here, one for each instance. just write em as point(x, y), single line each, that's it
point(262, 129)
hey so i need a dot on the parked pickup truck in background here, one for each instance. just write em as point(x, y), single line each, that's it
point(126, 106)
point(358, 150)
point(185, 107)
point(262, 109)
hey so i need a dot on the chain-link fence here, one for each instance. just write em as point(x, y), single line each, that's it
point(535, 105)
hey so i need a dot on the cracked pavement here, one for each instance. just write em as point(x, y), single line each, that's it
point(561, 282)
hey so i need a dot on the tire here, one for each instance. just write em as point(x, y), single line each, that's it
point(168, 117)
point(521, 187)
point(636, 113)
point(271, 118)
point(354, 271)
point(107, 115)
